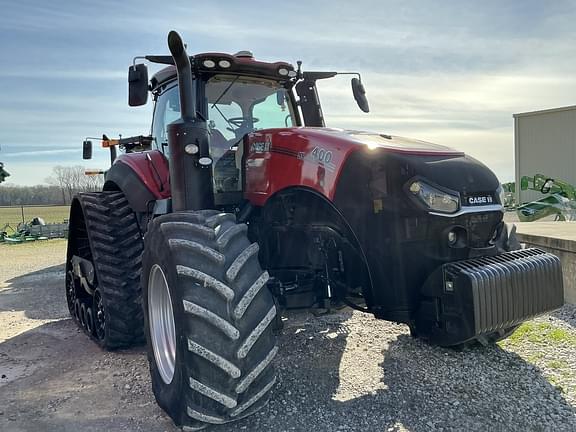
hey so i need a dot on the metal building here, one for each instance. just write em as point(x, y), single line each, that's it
point(545, 143)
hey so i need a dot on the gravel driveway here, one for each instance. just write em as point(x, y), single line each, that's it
point(340, 372)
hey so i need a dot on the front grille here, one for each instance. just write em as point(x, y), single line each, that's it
point(510, 288)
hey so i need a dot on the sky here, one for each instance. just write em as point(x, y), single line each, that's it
point(445, 71)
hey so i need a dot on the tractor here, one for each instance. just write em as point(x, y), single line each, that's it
point(242, 204)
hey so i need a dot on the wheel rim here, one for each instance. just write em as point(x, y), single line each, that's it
point(162, 329)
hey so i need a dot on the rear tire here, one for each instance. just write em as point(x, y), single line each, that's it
point(208, 319)
point(104, 231)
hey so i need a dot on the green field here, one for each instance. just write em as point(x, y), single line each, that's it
point(50, 214)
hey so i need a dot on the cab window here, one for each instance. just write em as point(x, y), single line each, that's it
point(167, 110)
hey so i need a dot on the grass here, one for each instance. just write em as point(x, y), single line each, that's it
point(558, 364)
point(50, 214)
point(541, 334)
point(533, 340)
point(26, 248)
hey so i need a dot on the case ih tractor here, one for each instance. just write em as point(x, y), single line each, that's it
point(242, 204)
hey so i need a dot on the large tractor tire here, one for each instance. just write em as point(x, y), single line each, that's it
point(208, 316)
point(103, 269)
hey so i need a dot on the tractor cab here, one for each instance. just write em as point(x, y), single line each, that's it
point(234, 95)
point(233, 106)
point(220, 100)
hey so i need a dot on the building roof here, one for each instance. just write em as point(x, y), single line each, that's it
point(545, 111)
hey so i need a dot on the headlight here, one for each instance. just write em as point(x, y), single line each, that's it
point(433, 198)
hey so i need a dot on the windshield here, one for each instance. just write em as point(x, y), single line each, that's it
point(238, 105)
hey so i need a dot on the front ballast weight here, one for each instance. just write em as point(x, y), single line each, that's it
point(483, 297)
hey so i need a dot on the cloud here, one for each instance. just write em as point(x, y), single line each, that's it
point(36, 153)
point(440, 70)
point(63, 74)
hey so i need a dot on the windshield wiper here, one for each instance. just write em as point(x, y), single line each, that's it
point(225, 90)
point(223, 116)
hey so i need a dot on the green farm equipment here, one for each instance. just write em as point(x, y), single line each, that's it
point(3, 173)
point(509, 200)
point(560, 199)
point(34, 230)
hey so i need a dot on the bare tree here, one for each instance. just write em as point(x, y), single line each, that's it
point(72, 180)
point(58, 178)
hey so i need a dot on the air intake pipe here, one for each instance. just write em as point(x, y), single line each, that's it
point(188, 141)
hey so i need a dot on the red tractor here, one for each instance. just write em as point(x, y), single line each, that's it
point(242, 204)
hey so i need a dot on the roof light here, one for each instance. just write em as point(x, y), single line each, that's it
point(244, 53)
point(283, 71)
point(209, 63)
point(224, 64)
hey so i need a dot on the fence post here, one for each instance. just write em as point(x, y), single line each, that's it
point(22, 210)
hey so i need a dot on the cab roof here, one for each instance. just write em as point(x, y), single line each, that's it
point(241, 63)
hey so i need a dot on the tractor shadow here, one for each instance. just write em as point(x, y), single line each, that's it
point(54, 378)
point(350, 372)
point(40, 294)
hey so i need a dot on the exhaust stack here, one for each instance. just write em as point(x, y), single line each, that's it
point(190, 171)
point(185, 83)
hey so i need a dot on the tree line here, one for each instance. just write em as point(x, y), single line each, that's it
point(61, 186)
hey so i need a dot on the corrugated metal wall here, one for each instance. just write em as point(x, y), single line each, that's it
point(545, 143)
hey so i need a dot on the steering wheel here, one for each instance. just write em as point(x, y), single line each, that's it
point(239, 121)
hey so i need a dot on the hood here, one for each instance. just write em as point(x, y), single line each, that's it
point(373, 140)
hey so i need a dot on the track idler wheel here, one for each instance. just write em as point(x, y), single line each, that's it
point(99, 317)
point(89, 320)
point(70, 293)
point(82, 313)
point(77, 312)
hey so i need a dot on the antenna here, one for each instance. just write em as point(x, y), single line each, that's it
point(299, 70)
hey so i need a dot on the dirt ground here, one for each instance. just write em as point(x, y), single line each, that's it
point(342, 372)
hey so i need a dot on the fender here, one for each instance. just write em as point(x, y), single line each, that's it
point(142, 176)
point(309, 208)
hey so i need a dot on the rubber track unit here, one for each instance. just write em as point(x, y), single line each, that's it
point(224, 315)
point(116, 247)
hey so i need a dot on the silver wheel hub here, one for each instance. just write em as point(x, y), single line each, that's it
point(162, 329)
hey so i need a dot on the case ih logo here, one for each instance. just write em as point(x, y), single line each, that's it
point(479, 200)
point(262, 146)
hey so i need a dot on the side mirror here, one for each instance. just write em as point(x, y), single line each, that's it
point(87, 150)
point(137, 85)
point(360, 95)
